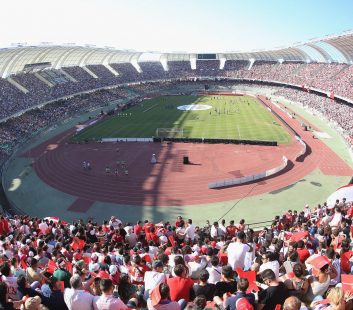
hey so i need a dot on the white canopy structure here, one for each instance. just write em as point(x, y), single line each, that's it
point(342, 192)
point(334, 48)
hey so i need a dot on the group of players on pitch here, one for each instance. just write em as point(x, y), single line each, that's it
point(120, 166)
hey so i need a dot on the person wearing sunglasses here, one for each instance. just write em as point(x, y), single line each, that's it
point(273, 292)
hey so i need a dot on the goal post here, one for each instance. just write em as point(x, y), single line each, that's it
point(170, 132)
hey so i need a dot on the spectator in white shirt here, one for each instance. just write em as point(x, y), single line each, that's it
point(154, 278)
point(25, 229)
point(75, 297)
point(215, 270)
point(198, 264)
point(237, 250)
point(216, 231)
point(180, 231)
point(131, 237)
point(43, 226)
point(190, 231)
point(114, 222)
point(107, 301)
point(337, 218)
point(223, 228)
point(269, 261)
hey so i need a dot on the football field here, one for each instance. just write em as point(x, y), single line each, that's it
point(222, 117)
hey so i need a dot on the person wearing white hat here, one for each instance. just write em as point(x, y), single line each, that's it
point(94, 260)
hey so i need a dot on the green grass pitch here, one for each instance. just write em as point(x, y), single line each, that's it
point(231, 117)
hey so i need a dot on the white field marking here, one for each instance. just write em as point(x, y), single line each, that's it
point(194, 107)
point(239, 136)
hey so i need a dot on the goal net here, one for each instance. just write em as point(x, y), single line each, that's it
point(170, 132)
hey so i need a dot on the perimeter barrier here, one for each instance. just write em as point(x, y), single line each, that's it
point(127, 140)
point(216, 141)
point(249, 178)
point(300, 156)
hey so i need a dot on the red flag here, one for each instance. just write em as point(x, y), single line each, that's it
point(318, 262)
point(86, 259)
point(147, 259)
point(69, 267)
point(251, 276)
point(23, 264)
point(51, 266)
point(299, 236)
point(347, 282)
point(77, 244)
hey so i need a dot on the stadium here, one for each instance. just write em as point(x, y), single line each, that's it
point(124, 99)
point(105, 138)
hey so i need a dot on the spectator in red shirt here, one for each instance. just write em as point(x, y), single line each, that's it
point(289, 217)
point(2, 226)
point(147, 227)
point(117, 237)
point(181, 286)
point(231, 229)
point(303, 252)
point(138, 228)
point(152, 236)
point(345, 256)
point(178, 220)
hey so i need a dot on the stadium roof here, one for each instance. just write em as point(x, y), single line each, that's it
point(336, 48)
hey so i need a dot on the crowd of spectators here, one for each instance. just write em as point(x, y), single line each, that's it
point(235, 68)
point(337, 78)
point(152, 71)
point(19, 129)
point(261, 70)
point(333, 111)
point(127, 72)
point(303, 260)
point(36, 88)
point(54, 77)
point(101, 72)
point(208, 68)
point(180, 69)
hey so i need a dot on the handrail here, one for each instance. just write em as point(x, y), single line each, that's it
point(257, 224)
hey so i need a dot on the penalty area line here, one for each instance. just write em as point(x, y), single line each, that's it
point(150, 108)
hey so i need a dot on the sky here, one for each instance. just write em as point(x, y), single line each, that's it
point(173, 26)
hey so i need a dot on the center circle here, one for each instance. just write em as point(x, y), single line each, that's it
point(194, 107)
